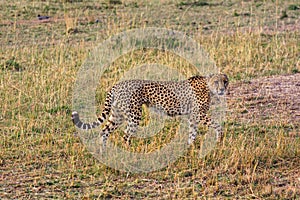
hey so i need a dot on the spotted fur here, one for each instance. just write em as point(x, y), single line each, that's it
point(189, 97)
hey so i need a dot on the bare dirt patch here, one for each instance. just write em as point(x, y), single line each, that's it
point(269, 99)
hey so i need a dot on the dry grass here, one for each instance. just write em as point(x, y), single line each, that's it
point(41, 158)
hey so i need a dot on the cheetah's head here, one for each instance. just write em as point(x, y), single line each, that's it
point(218, 83)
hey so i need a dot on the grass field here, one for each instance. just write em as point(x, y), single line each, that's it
point(40, 158)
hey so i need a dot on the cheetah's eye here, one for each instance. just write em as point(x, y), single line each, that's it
point(216, 82)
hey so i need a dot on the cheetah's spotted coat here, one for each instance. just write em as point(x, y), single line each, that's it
point(189, 97)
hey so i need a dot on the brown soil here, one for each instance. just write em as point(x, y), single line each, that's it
point(273, 99)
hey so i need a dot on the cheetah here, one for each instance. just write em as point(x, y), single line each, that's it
point(189, 97)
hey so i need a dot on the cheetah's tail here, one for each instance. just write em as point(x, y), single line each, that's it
point(86, 126)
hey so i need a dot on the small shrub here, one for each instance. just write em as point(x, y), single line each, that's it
point(195, 3)
point(114, 2)
point(295, 71)
point(283, 15)
point(11, 64)
point(293, 7)
point(235, 14)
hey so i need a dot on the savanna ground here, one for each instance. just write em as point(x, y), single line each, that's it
point(255, 42)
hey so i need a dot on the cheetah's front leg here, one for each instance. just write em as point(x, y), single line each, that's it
point(205, 120)
point(213, 124)
point(192, 132)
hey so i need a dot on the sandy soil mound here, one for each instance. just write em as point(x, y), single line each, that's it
point(271, 99)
